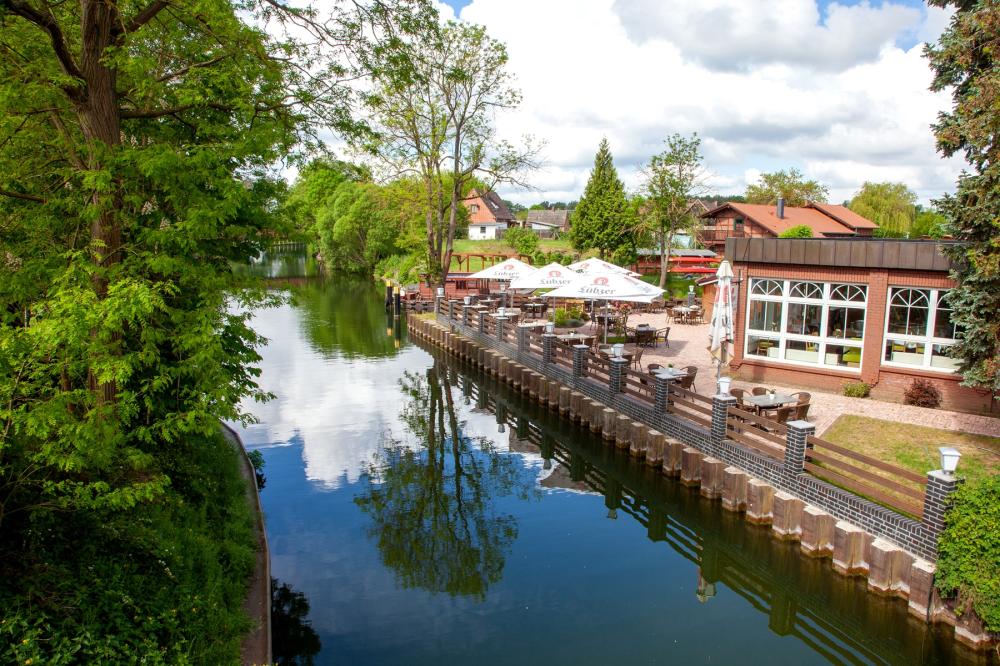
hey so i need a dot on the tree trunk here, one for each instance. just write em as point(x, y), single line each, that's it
point(98, 112)
point(664, 259)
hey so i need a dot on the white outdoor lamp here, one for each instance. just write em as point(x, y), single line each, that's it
point(949, 459)
point(467, 300)
point(618, 349)
point(550, 327)
point(500, 311)
point(724, 383)
point(440, 291)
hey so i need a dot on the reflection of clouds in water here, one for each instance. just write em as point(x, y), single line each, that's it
point(339, 429)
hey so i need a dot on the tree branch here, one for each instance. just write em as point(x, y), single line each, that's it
point(169, 111)
point(185, 70)
point(48, 23)
point(19, 195)
point(142, 18)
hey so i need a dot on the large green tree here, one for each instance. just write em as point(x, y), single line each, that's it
point(672, 178)
point(892, 206)
point(966, 61)
point(791, 185)
point(604, 220)
point(434, 117)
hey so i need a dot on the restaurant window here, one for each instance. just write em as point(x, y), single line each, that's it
point(919, 330)
point(806, 323)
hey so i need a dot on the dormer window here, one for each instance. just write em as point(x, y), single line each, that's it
point(474, 208)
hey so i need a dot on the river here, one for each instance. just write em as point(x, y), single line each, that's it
point(419, 513)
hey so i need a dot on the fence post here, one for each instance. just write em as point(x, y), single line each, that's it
point(795, 448)
point(482, 322)
point(940, 485)
point(522, 340)
point(548, 347)
point(437, 303)
point(580, 360)
point(451, 309)
point(500, 323)
point(720, 412)
point(661, 395)
point(466, 314)
point(616, 377)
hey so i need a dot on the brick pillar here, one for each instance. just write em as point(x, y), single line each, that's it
point(580, 360)
point(795, 448)
point(522, 340)
point(451, 309)
point(437, 305)
point(466, 312)
point(940, 485)
point(548, 347)
point(661, 395)
point(720, 410)
point(500, 325)
point(616, 380)
point(482, 322)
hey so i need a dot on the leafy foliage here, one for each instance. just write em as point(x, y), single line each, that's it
point(922, 393)
point(603, 219)
point(965, 60)
point(672, 179)
point(791, 184)
point(523, 240)
point(929, 223)
point(857, 389)
point(968, 565)
point(892, 206)
point(798, 231)
point(571, 317)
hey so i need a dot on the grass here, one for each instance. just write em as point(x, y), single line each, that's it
point(915, 447)
point(677, 287)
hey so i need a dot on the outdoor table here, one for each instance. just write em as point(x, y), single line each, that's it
point(670, 373)
point(488, 302)
point(533, 324)
point(575, 339)
point(766, 402)
point(645, 335)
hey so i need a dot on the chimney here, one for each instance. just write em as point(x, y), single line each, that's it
point(781, 208)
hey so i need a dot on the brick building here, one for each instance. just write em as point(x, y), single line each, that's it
point(489, 216)
point(822, 312)
point(742, 220)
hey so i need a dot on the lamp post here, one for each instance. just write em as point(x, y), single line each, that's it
point(949, 459)
point(550, 327)
point(618, 349)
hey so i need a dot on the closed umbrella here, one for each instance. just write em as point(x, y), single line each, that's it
point(721, 333)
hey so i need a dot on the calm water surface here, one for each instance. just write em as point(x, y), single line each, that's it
point(429, 516)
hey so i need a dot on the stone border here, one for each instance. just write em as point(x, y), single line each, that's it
point(256, 645)
point(889, 569)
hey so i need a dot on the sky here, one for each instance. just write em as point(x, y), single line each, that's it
point(838, 90)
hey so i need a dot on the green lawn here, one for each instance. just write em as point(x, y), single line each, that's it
point(677, 287)
point(916, 447)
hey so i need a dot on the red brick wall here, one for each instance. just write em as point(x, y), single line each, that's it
point(888, 383)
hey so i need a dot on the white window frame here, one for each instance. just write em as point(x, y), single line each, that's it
point(934, 297)
point(822, 341)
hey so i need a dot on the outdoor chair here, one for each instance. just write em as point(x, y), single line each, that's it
point(802, 397)
point(738, 393)
point(686, 382)
point(783, 414)
point(662, 334)
point(758, 390)
point(801, 411)
point(637, 357)
point(653, 367)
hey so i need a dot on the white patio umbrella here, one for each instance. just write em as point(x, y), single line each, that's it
point(608, 287)
point(721, 333)
point(599, 266)
point(550, 276)
point(511, 269)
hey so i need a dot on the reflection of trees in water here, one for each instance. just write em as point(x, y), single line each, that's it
point(345, 316)
point(293, 640)
point(432, 508)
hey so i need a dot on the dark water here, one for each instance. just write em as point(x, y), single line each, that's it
point(429, 516)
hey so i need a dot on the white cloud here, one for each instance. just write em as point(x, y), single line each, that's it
point(766, 86)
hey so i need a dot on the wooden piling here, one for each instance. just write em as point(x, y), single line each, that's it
point(760, 502)
point(734, 489)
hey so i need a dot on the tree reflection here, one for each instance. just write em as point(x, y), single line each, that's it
point(433, 506)
point(345, 317)
point(293, 640)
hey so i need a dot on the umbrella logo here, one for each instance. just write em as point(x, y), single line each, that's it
point(601, 281)
point(508, 267)
point(555, 273)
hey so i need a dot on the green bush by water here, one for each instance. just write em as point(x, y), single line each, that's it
point(163, 583)
point(968, 566)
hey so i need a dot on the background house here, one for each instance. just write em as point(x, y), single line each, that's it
point(489, 216)
point(742, 220)
point(548, 220)
point(822, 312)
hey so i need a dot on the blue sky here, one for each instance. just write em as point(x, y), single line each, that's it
point(838, 90)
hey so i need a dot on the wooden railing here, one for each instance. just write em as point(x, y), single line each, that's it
point(690, 405)
point(598, 368)
point(893, 486)
point(562, 355)
point(757, 432)
point(639, 385)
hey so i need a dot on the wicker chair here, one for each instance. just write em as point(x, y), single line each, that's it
point(758, 390)
point(802, 397)
point(783, 414)
point(801, 411)
point(686, 382)
point(662, 334)
point(653, 367)
point(637, 357)
point(738, 393)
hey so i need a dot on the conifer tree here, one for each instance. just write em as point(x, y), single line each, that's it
point(603, 220)
point(966, 61)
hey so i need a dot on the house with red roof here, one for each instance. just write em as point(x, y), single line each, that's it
point(489, 216)
point(743, 220)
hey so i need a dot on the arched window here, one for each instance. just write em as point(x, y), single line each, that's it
point(766, 287)
point(908, 310)
point(919, 329)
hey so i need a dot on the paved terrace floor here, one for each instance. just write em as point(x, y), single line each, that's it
point(689, 346)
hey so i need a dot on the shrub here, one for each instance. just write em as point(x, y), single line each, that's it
point(568, 317)
point(968, 566)
point(922, 393)
point(798, 231)
point(524, 241)
point(857, 389)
